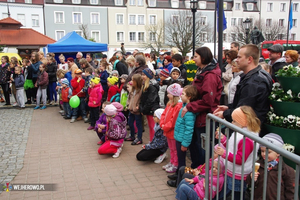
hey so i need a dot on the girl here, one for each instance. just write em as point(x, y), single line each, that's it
point(35, 64)
point(4, 77)
point(28, 85)
point(51, 70)
point(95, 95)
point(149, 99)
point(167, 123)
point(115, 132)
point(134, 112)
point(13, 64)
point(103, 78)
point(41, 83)
point(63, 65)
point(100, 126)
point(243, 117)
point(113, 88)
point(234, 81)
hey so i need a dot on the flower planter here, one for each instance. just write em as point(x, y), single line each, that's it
point(191, 71)
point(290, 83)
point(283, 108)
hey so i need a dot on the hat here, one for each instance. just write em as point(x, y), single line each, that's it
point(114, 72)
point(239, 116)
point(65, 81)
point(161, 53)
point(165, 73)
point(167, 53)
point(276, 48)
point(118, 106)
point(104, 56)
point(110, 110)
point(95, 80)
point(274, 139)
point(175, 68)
point(70, 59)
point(113, 80)
point(128, 53)
point(159, 112)
point(124, 76)
point(175, 89)
point(169, 58)
point(78, 71)
point(148, 72)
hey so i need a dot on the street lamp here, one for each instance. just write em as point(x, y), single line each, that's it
point(194, 6)
point(247, 23)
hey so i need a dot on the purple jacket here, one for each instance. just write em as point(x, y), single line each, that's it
point(120, 118)
point(102, 120)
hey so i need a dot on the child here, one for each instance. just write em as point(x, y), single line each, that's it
point(158, 145)
point(87, 78)
point(42, 83)
point(112, 87)
point(100, 126)
point(66, 93)
point(243, 117)
point(19, 83)
point(149, 99)
point(103, 78)
point(167, 124)
point(234, 81)
point(176, 76)
point(177, 62)
point(115, 134)
point(115, 73)
point(134, 111)
point(195, 188)
point(77, 84)
point(28, 85)
point(165, 78)
point(122, 82)
point(287, 176)
point(95, 96)
point(12, 83)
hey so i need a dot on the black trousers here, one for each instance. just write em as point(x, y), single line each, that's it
point(5, 88)
point(150, 154)
point(182, 175)
point(94, 115)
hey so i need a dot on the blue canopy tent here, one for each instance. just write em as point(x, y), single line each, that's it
point(72, 42)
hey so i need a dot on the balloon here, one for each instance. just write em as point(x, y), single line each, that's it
point(74, 101)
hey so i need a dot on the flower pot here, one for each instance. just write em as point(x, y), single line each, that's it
point(191, 71)
point(291, 83)
point(284, 108)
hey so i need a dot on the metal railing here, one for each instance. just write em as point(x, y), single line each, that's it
point(209, 147)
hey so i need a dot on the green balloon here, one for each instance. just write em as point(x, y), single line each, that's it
point(74, 101)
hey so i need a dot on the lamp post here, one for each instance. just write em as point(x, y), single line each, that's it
point(194, 6)
point(247, 23)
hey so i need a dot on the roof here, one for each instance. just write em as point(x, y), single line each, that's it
point(10, 20)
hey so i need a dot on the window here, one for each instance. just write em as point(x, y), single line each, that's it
point(233, 21)
point(132, 2)
point(268, 22)
point(140, 2)
point(281, 22)
point(295, 7)
point(294, 22)
point(293, 36)
point(280, 37)
point(233, 37)
point(21, 18)
point(152, 36)
point(238, 6)
point(120, 19)
point(151, 3)
point(132, 19)
point(35, 20)
point(250, 6)
point(76, 1)
point(189, 20)
point(141, 36)
point(120, 36)
point(225, 5)
point(203, 20)
point(240, 21)
point(141, 20)
point(269, 7)
point(202, 4)
point(95, 18)
point(59, 17)
point(203, 37)
point(96, 35)
point(79, 32)
point(224, 37)
point(119, 2)
point(94, 2)
point(175, 19)
point(28, 1)
point(152, 19)
point(282, 7)
point(58, 1)
point(59, 34)
point(175, 3)
point(10, 0)
point(77, 18)
point(132, 36)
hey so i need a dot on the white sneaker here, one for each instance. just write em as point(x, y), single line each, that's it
point(15, 104)
point(171, 169)
point(61, 111)
point(72, 120)
point(51, 102)
point(166, 166)
point(117, 154)
point(160, 158)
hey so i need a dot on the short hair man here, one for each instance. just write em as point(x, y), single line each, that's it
point(79, 55)
point(276, 60)
point(120, 66)
point(235, 46)
point(135, 52)
point(89, 58)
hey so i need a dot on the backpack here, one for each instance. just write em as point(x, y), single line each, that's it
point(124, 98)
point(117, 130)
point(115, 98)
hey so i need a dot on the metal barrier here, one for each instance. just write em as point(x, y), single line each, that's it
point(210, 143)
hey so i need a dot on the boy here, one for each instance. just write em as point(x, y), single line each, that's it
point(19, 83)
point(183, 130)
point(177, 62)
point(77, 84)
point(176, 76)
point(165, 80)
point(66, 93)
point(287, 176)
point(113, 88)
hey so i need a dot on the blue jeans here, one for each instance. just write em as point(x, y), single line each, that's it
point(67, 109)
point(139, 125)
point(80, 108)
point(237, 187)
point(197, 153)
point(186, 191)
point(52, 91)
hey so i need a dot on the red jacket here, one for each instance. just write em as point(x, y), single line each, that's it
point(95, 94)
point(113, 90)
point(209, 86)
point(65, 94)
point(168, 119)
point(77, 87)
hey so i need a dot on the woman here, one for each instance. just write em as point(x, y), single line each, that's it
point(140, 64)
point(51, 70)
point(234, 81)
point(209, 86)
point(291, 57)
point(4, 78)
point(85, 64)
point(35, 64)
point(130, 60)
point(227, 75)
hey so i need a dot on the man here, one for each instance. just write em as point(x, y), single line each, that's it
point(128, 53)
point(276, 60)
point(79, 55)
point(135, 52)
point(123, 48)
point(235, 46)
point(120, 66)
point(90, 60)
point(254, 88)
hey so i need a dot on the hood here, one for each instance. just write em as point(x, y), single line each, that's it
point(183, 66)
point(175, 68)
point(280, 60)
point(120, 117)
point(154, 83)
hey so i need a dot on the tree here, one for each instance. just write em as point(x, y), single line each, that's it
point(155, 38)
point(85, 31)
point(179, 31)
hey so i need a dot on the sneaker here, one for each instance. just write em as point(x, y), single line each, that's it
point(171, 169)
point(66, 117)
point(61, 111)
point(90, 128)
point(44, 107)
point(100, 142)
point(137, 142)
point(166, 166)
point(37, 107)
point(51, 102)
point(28, 102)
point(129, 139)
point(117, 154)
point(86, 120)
point(15, 104)
point(56, 103)
point(2, 100)
point(72, 120)
point(160, 158)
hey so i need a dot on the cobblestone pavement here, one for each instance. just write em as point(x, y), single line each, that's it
point(14, 129)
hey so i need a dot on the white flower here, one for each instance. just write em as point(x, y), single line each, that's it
point(273, 96)
point(281, 117)
point(285, 120)
point(289, 92)
point(298, 123)
point(279, 100)
point(285, 68)
point(291, 118)
point(299, 95)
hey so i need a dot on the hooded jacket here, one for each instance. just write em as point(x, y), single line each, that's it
point(134, 101)
point(103, 79)
point(19, 81)
point(4, 74)
point(183, 69)
point(149, 99)
point(77, 87)
point(277, 65)
point(42, 79)
point(51, 70)
point(95, 95)
point(159, 141)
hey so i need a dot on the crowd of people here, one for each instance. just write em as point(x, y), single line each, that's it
point(132, 88)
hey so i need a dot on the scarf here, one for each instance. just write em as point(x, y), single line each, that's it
point(272, 164)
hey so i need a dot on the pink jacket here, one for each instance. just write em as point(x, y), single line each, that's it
point(168, 119)
point(95, 95)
